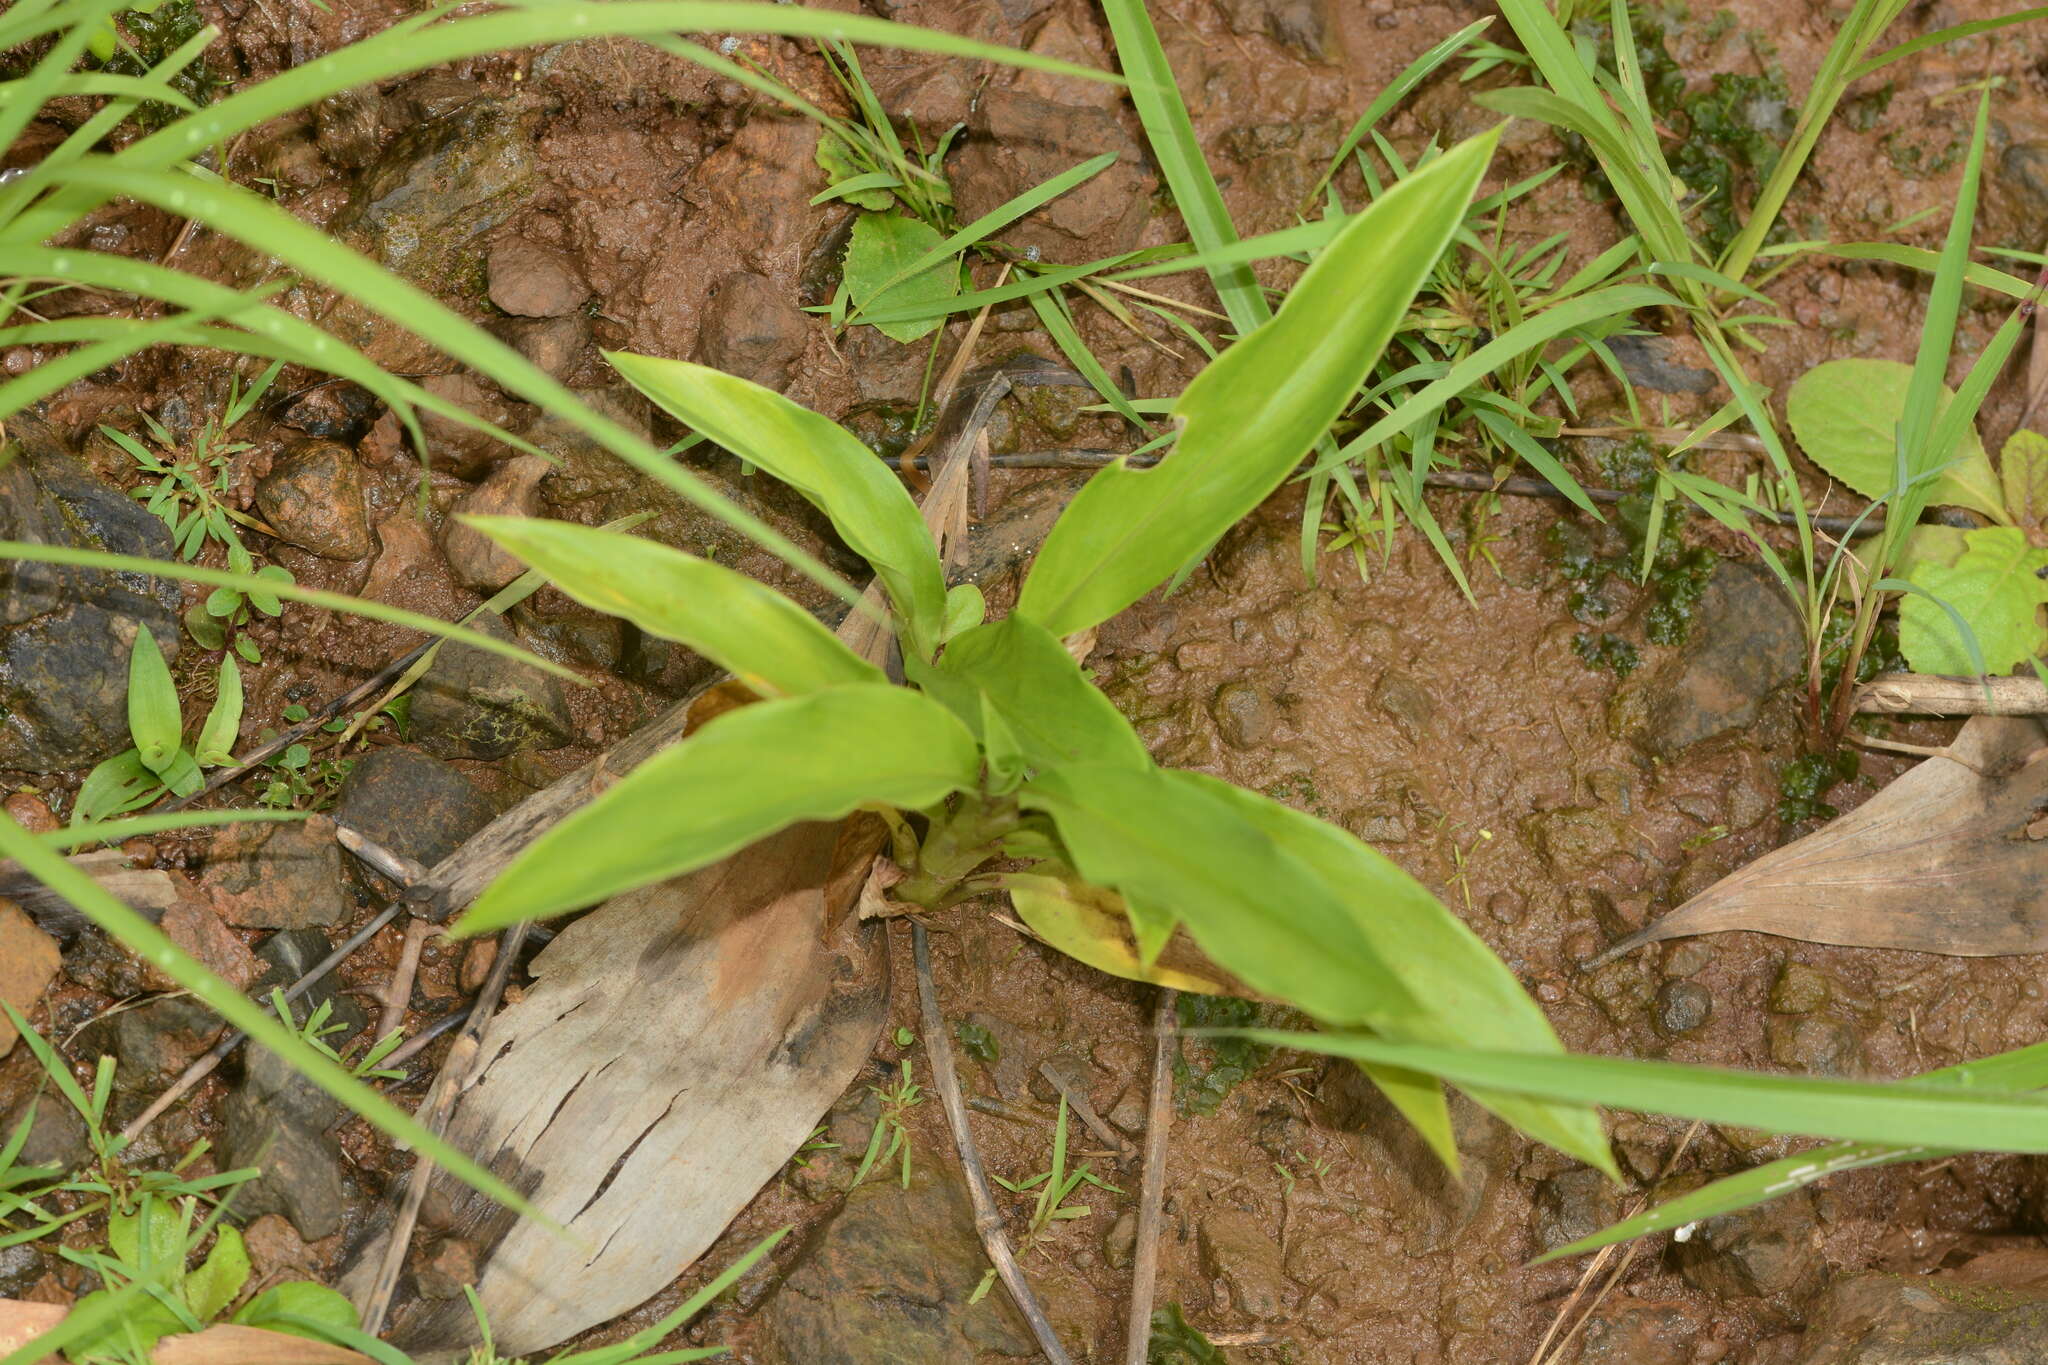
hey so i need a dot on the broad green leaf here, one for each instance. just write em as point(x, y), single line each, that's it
point(1251, 415)
point(1057, 714)
point(129, 1334)
point(841, 477)
point(2023, 479)
point(1090, 925)
point(149, 943)
point(840, 169)
point(211, 1288)
point(1169, 839)
point(883, 245)
point(741, 778)
point(1931, 543)
point(150, 1238)
point(1902, 1113)
point(1846, 416)
point(119, 784)
point(753, 632)
point(153, 719)
point(1464, 995)
point(291, 1306)
point(966, 608)
point(1995, 587)
point(216, 744)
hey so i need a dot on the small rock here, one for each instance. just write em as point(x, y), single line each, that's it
point(154, 1042)
point(313, 498)
point(99, 962)
point(1016, 141)
point(457, 447)
point(1744, 644)
point(529, 280)
point(196, 929)
point(277, 1120)
point(888, 1279)
point(21, 1265)
point(1572, 1205)
point(1238, 1251)
point(1651, 362)
point(1799, 989)
point(1120, 1243)
point(1130, 1111)
point(1687, 957)
point(406, 559)
point(32, 813)
point(66, 633)
point(1307, 26)
point(1406, 702)
point(286, 876)
point(556, 346)
point(1244, 714)
point(476, 964)
point(1992, 1310)
point(1767, 1250)
point(443, 1273)
point(1682, 1006)
point(752, 329)
point(1574, 841)
point(1817, 1044)
point(512, 490)
point(1625, 1331)
point(56, 1138)
point(276, 1251)
point(412, 803)
point(331, 412)
point(472, 704)
point(29, 958)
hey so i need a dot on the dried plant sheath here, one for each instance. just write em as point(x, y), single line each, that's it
point(1950, 858)
point(1929, 695)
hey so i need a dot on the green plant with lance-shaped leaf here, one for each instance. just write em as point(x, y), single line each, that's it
point(161, 760)
point(999, 752)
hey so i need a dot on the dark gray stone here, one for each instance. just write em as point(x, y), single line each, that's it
point(1989, 1311)
point(276, 1120)
point(1683, 1006)
point(21, 1266)
point(887, 1279)
point(288, 955)
point(1765, 1251)
point(66, 633)
point(412, 803)
point(56, 1138)
point(1650, 364)
point(753, 329)
point(1574, 1204)
point(472, 704)
point(1745, 644)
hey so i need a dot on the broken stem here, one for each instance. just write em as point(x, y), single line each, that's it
point(987, 1221)
point(1152, 1193)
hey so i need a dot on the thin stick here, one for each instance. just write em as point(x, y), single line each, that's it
point(987, 1221)
point(413, 1046)
point(1152, 1193)
point(262, 753)
point(454, 1074)
point(1926, 694)
point(398, 994)
point(1084, 1110)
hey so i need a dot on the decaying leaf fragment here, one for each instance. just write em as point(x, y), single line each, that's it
point(1944, 860)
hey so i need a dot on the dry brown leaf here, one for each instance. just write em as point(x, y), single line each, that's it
point(1941, 861)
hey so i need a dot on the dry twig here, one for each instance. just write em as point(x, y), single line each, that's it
point(987, 1221)
point(1152, 1193)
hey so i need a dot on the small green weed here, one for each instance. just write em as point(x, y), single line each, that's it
point(1056, 1185)
point(891, 1137)
point(317, 1030)
point(1175, 1342)
point(1205, 1071)
point(161, 760)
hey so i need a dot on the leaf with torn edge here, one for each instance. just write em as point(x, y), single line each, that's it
point(1995, 587)
point(1944, 860)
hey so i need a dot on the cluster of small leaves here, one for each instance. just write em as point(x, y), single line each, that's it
point(143, 37)
point(1803, 782)
point(161, 761)
point(1175, 1342)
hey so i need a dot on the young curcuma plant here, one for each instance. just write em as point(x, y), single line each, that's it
point(1000, 767)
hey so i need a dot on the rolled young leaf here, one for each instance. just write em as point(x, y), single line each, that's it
point(1248, 418)
point(1055, 712)
point(752, 631)
point(741, 778)
point(216, 743)
point(866, 503)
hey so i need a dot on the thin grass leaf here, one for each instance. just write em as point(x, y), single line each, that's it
point(256, 584)
point(148, 942)
point(1414, 74)
point(142, 826)
point(1171, 134)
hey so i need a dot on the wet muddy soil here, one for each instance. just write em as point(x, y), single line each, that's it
point(602, 196)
